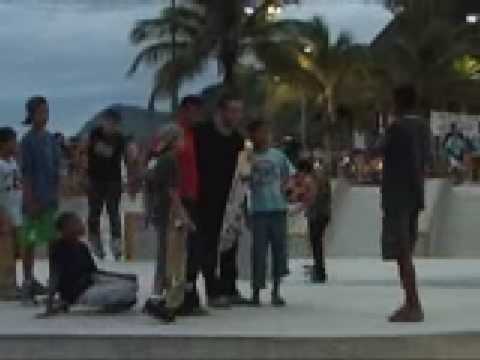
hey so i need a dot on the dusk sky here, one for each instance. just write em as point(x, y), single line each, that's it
point(76, 52)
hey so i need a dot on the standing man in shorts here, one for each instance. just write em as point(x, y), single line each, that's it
point(40, 167)
point(405, 149)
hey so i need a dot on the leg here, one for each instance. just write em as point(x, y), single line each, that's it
point(476, 168)
point(408, 279)
point(28, 263)
point(41, 230)
point(209, 233)
point(160, 268)
point(259, 251)
point(192, 299)
point(111, 293)
point(96, 201)
point(316, 232)
point(176, 254)
point(113, 209)
point(228, 271)
point(411, 311)
point(278, 233)
point(7, 259)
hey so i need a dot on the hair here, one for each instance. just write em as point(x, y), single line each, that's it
point(111, 114)
point(255, 125)
point(63, 219)
point(7, 134)
point(191, 100)
point(228, 97)
point(31, 106)
point(305, 166)
point(405, 98)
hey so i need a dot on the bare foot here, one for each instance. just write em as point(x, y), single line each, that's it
point(407, 314)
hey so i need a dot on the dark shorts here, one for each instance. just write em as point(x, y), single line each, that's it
point(399, 233)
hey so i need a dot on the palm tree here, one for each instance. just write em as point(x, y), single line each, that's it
point(322, 62)
point(205, 30)
point(314, 63)
point(423, 51)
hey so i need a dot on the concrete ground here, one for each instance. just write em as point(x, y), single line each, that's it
point(355, 302)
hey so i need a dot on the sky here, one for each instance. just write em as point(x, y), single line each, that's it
point(76, 52)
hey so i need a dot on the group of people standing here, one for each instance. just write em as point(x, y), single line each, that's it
point(218, 184)
point(203, 187)
point(204, 183)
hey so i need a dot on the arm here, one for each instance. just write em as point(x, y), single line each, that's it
point(53, 283)
point(51, 309)
point(57, 153)
point(328, 196)
point(180, 210)
point(27, 173)
point(427, 147)
point(311, 191)
point(134, 166)
point(172, 182)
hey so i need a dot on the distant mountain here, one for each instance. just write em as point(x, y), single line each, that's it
point(136, 121)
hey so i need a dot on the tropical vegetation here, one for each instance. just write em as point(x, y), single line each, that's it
point(300, 69)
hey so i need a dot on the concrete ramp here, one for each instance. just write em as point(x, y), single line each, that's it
point(459, 235)
point(357, 221)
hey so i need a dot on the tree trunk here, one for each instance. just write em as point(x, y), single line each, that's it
point(173, 31)
point(229, 55)
point(229, 80)
point(303, 121)
point(331, 119)
point(151, 100)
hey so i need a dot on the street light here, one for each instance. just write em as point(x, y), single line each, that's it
point(273, 10)
point(249, 10)
point(308, 49)
point(472, 18)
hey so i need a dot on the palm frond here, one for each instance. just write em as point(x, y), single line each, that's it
point(185, 21)
point(155, 53)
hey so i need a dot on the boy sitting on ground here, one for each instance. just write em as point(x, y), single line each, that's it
point(76, 278)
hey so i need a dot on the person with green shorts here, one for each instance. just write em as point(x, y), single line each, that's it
point(40, 160)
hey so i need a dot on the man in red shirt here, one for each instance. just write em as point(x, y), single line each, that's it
point(190, 112)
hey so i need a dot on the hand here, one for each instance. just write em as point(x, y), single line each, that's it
point(191, 225)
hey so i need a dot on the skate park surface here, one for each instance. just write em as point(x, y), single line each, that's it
point(344, 319)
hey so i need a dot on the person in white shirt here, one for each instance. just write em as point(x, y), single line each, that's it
point(10, 184)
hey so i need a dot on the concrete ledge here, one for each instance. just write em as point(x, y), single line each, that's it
point(344, 319)
point(455, 346)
